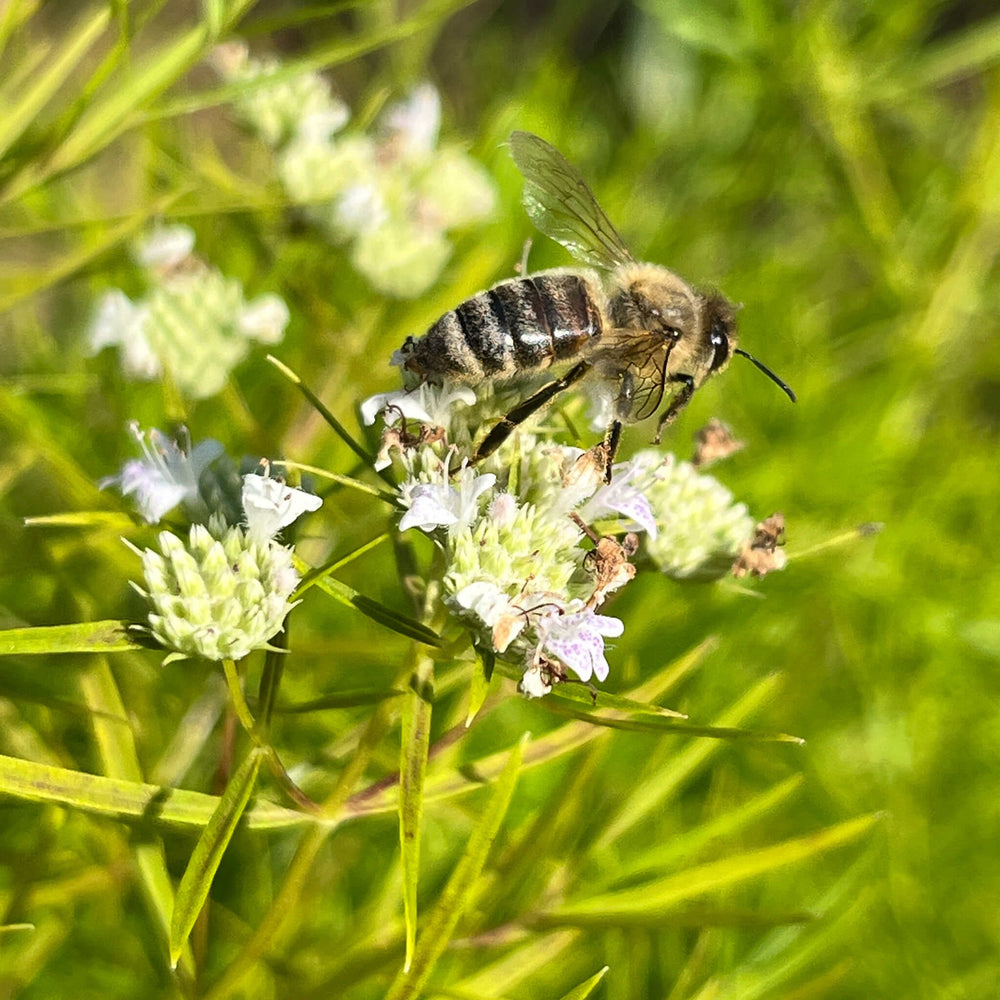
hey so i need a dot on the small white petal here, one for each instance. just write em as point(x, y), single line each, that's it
point(165, 476)
point(415, 122)
point(265, 319)
point(271, 505)
point(532, 683)
point(432, 507)
point(165, 247)
point(400, 401)
point(318, 126)
point(360, 209)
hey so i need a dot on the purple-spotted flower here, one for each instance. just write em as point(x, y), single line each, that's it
point(577, 640)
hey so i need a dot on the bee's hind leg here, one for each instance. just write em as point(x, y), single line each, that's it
point(505, 426)
point(611, 441)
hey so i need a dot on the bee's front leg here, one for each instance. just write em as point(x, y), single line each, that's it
point(677, 404)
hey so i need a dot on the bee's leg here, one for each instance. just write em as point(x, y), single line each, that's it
point(502, 430)
point(677, 404)
point(611, 441)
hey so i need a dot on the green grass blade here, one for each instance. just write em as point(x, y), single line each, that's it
point(208, 852)
point(82, 637)
point(15, 290)
point(648, 905)
point(47, 84)
point(414, 744)
point(646, 797)
point(587, 987)
point(133, 801)
point(120, 758)
point(461, 886)
point(479, 685)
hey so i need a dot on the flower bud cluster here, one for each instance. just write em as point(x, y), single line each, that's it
point(193, 324)
point(220, 594)
point(392, 195)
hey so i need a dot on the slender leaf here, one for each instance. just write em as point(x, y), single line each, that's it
point(378, 612)
point(649, 904)
point(83, 637)
point(340, 699)
point(414, 744)
point(208, 852)
point(479, 685)
point(46, 84)
point(646, 797)
point(132, 800)
point(587, 987)
point(461, 886)
point(121, 760)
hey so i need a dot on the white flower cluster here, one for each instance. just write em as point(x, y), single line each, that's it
point(224, 590)
point(526, 571)
point(193, 324)
point(392, 195)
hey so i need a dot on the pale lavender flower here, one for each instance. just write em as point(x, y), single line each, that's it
point(440, 505)
point(270, 505)
point(621, 497)
point(165, 476)
point(577, 640)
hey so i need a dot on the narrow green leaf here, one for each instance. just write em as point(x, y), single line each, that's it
point(82, 637)
point(47, 83)
point(12, 292)
point(133, 801)
point(120, 759)
point(208, 852)
point(414, 744)
point(587, 987)
point(338, 428)
point(479, 685)
point(461, 886)
point(646, 797)
point(690, 842)
point(340, 699)
point(651, 724)
point(378, 612)
point(647, 905)
point(113, 519)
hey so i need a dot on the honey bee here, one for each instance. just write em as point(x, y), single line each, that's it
point(639, 328)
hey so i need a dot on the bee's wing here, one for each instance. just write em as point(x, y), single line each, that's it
point(559, 202)
point(646, 364)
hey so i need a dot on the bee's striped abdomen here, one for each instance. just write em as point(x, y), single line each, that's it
point(521, 324)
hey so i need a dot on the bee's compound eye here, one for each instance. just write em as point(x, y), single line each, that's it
point(720, 346)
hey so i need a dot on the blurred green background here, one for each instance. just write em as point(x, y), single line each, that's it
point(834, 167)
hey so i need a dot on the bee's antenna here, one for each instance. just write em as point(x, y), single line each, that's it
point(767, 371)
